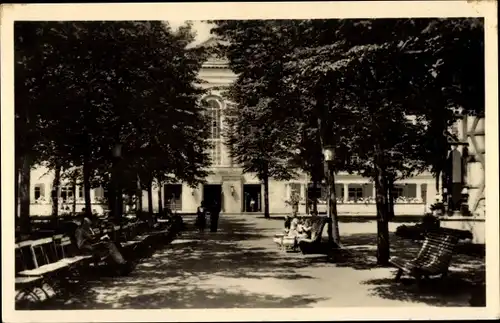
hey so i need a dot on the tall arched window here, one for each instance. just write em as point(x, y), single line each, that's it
point(213, 106)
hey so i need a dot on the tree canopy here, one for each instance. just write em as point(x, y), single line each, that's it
point(382, 90)
point(86, 87)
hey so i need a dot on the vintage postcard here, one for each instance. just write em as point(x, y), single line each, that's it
point(250, 161)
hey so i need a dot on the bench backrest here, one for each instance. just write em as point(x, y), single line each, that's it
point(437, 251)
point(23, 256)
point(129, 231)
point(317, 226)
point(65, 247)
point(43, 252)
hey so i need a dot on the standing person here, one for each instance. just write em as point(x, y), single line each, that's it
point(252, 205)
point(201, 217)
point(214, 216)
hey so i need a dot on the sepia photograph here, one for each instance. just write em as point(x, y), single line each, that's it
point(315, 163)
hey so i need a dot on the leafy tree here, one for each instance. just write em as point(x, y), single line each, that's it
point(29, 59)
point(446, 82)
point(373, 66)
point(258, 146)
point(258, 52)
point(310, 157)
point(361, 80)
point(255, 54)
point(104, 84)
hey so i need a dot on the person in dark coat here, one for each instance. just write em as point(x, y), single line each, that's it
point(201, 217)
point(214, 216)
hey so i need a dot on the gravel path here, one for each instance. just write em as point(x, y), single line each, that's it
point(239, 266)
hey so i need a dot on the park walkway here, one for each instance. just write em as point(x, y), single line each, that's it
point(239, 266)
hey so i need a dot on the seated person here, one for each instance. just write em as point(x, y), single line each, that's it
point(304, 229)
point(294, 225)
point(87, 242)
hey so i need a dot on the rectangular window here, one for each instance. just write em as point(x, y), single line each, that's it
point(355, 193)
point(423, 193)
point(38, 192)
point(66, 193)
point(216, 152)
point(215, 119)
point(80, 192)
point(294, 189)
point(398, 192)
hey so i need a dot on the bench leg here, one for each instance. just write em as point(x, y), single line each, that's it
point(22, 294)
point(398, 275)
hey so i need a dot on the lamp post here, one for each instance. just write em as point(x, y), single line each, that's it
point(333, 229)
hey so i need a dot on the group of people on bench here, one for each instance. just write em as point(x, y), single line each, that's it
point(102, 247)
point(298, 228)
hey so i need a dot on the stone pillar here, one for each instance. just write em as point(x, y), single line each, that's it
point(346, 192)
point(303, 192)
point(303, 199)
point(419, 191)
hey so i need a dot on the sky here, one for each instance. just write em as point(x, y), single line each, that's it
point(202, 29)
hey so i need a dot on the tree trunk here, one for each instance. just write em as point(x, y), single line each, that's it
point(160, 201)
point(73, 189)
point(110, 198)
point(438, 173)
point(390, 198)
point(150, 198)
point(86, 187)
point(150, 202)
point(56, 183)
point(333, 229)
point(383, 247)
point(24, 195)
point(329, 170)
point(315, 197)
point(139, 197)
point(266, 196)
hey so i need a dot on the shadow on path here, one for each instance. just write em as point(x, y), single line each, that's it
point(195, 272)
point(466, 276)
point(239, 266)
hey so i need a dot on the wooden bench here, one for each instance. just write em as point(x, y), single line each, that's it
point(130, 237)
point(44, 256)
point(68, 252)
point(433, 259)
point(46, 267)
point(315, 245)
point(25, 286)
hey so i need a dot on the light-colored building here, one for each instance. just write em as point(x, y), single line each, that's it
point(238, 192)
point(471, 145)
